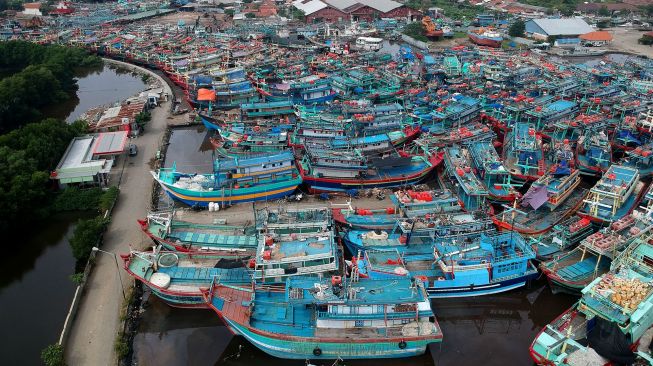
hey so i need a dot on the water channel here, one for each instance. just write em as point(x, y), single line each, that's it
point(35, 286)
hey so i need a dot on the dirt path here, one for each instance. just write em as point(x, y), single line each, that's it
point(96, 324)
point(625, 40)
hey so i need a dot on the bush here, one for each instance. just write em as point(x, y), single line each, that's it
point(108, 198)
point(75, 199)
point(85, 237)
point(143, 118)
point(52, 355)
point(121, 346)
point(416, 31)
point(77, 278)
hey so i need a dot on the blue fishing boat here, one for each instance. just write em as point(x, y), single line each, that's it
point(330, 318)
point(222, 89)
point(233, 181)
point(453, 113)
point(307, 90)
point(487, 265)
point(544, 117)
point(551, 198)
point(561, 238)
point(252, 111)
point(522, 153)
point(640, 158)
point(612, 322)
point(614, 196)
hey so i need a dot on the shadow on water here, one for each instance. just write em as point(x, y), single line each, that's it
point(35, 289)
point(492, 330)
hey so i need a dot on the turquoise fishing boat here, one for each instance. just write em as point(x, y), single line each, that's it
point(640, 158)
point(494, 175)
point(561, 238)
point(593, 152)
point(183, 236)
point(176, 278)
point(406, 204)
point(233, 181)
point(470, 189)
point(522, 153)
point(572, 271)
point(612, 322)
point(486, 265)
point(336, 318)
point(614, 196)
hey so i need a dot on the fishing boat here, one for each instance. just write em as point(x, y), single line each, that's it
point(551, 198)
point(307, 90)
point(573, 271)
point(252, 111)
point(522, 153)
point(561, 238)
point(417, 235)
point(593, 152)
point(183, 236)
point(294, 242)
point(176, 277)
point(640, 158)
point(494, 175)
point(407, 203)
point(233, 181)
point(487, 265)
point(611, 323)
point(485, 37)
point(341, 171)
point(544, 117)
point(332, 318)
point(453, 113)
point(470, 189)
point(614, 196)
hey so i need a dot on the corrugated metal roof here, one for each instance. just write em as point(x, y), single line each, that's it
point(564, 26)
point(383, 6)
point(310, 6)
point(341, 4)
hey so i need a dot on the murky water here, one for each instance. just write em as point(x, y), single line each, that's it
point(98, 86)
point(36, 290)
point(190, 149)
point(488, 330)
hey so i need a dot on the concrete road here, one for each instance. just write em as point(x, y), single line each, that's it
point(96, 324)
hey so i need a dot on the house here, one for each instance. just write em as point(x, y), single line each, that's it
point(63, 8)
point(566, 31)
point(32, 9)
point(596, 38)
point(121, 117)
point(331, 11)
point(88, 159)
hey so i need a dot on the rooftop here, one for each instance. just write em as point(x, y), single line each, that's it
point(597, 36)
point(563, 26)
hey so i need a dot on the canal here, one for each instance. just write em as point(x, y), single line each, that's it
point(35, 286)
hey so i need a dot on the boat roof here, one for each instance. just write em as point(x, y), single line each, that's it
point(368, 291)
point(226, 164)
point(305, 247)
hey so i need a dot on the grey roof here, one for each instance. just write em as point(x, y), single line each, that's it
point(341, 4)
point(564, 26)
point(310, 6)
point(383, 6)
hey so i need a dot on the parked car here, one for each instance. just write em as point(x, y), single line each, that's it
point(133, 150)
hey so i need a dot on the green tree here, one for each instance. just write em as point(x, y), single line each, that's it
point(52, 355)
point(604, 12)
point(415, 30)
point(250, 15)
point(517, 29)
point(86, 236)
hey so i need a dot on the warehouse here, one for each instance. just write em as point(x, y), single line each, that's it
point(566, 31)
point(331, 11)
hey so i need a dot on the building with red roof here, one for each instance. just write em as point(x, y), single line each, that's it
point(596, 38)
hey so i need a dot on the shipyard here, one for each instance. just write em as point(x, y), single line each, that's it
point(327, 182)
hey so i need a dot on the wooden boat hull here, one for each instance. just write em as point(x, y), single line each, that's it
point(261, 193)
point(302, 348)
point(547, 220)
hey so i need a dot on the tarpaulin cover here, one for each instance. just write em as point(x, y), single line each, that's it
point(205, 95)
point(609, 341)
point(535, 197)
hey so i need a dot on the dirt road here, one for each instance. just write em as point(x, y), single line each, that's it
point(625, 40)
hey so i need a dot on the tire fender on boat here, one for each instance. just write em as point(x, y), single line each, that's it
point(402, 344)
point(317, 351)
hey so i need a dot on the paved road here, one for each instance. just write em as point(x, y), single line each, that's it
point(95, 327)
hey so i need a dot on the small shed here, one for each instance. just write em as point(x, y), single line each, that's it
point(596, 38)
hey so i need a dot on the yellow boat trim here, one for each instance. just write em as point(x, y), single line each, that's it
point(231, 198)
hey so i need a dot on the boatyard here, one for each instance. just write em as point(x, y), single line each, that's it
point(353, 182)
